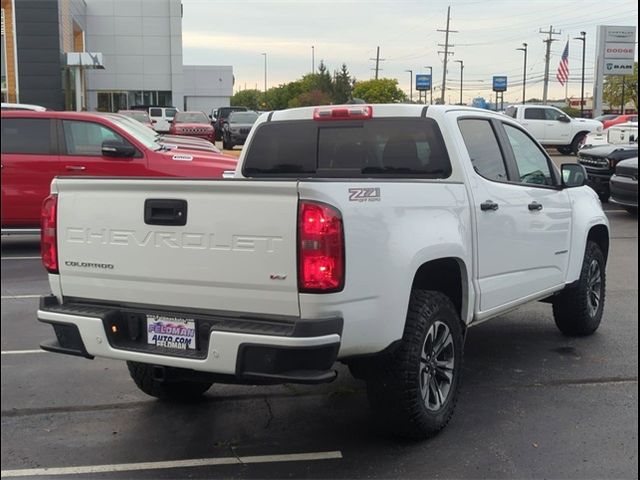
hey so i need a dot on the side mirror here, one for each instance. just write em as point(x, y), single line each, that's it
point(564, 119)
point(114, 148)
point(573, 175)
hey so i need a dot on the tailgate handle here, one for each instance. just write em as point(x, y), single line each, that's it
point(163, 211)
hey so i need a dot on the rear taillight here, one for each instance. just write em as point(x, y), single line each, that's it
point(361, 112)
point(48, 233)
point(320, 248)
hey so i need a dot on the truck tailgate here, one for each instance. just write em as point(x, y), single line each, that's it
point(236, 252)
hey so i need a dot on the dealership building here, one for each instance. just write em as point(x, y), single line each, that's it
point(103, 55)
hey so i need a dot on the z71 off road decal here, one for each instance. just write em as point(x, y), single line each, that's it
point(365, 194)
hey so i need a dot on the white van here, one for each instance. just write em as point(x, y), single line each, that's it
point(161, 118)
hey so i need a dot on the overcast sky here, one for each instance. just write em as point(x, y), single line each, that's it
point(237, 32)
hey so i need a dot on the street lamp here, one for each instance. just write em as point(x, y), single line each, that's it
point(524, 73)
point(431, 85)
point(265, 71)
point(313, 59)
point(461, 77)
point(410, 85)
point(583, 39)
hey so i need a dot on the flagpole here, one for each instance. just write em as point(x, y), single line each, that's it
point(566, 85)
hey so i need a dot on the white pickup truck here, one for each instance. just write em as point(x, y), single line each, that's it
point(552, 127)
point(371, 235)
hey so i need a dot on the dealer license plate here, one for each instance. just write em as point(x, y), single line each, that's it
point(171, 332)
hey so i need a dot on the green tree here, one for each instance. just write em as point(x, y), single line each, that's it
point(308, 99)
point(247, 98)
point(384, 90)
point(278, 98)
point(612, 91)
point(342, 85)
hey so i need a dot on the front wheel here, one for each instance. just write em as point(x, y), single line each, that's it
point(578, 310)
point(578, 140)
point(565, 150)
point(416, 390)
point(171, 389)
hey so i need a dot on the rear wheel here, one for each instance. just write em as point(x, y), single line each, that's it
point(578, 310)
point(415, 393)
point(176, 388)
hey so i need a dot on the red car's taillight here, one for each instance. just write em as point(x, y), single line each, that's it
point(48, 233)
point(320, 248)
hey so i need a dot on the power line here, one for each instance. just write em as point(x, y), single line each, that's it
point(378, 60)
point(446, 52)
point(551, 32)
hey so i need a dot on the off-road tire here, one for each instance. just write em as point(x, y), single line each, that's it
point(170, 390)
point(396, 396)
point(572, 311)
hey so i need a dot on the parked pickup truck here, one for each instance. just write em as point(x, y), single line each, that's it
point(552, 127)
point(370, 235)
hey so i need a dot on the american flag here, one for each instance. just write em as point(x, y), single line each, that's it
point(563, 69)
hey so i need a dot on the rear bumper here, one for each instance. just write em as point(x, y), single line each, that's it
point(249, 349)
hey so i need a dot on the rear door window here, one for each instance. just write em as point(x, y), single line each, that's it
point(384, 147)
point(535, 114)
point(26, 135)
point(155, 112)
point(484, 149)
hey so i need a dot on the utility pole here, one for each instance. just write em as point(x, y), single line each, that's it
point(313, 59)
point(265, 72)
point(446, 52)
point(378, 60)
point(547, 58)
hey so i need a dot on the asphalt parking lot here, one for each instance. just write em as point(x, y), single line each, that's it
point(533, 404)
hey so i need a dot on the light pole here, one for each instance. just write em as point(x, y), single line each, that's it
point(313, 59)
point(410, 85)
point(583, 39)
point(524, 73)
point(431, 85)
point(265, 71)
point(461, 77)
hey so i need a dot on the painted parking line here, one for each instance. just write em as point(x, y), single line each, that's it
point(21, 352)
point(21, 258)
point(17, 297)
point(196, 462)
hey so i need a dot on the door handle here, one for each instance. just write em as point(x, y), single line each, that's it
point(75, 168)
point(535, 207)
point(489, 206)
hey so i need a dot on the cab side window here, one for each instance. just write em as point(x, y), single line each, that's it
point(26, 136)
point(535, 114)
point(484, 150)
point(533, 164)
point(85, 138)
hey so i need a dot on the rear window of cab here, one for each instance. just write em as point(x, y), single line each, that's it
point(383, 147)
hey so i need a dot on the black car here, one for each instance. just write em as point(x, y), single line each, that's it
point(624, 185)
point(221, 116)
point(600, 163)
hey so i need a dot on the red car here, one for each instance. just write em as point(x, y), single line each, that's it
point(139, 115)
point(38, 146)
point(620, 119)
point(193, 124)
